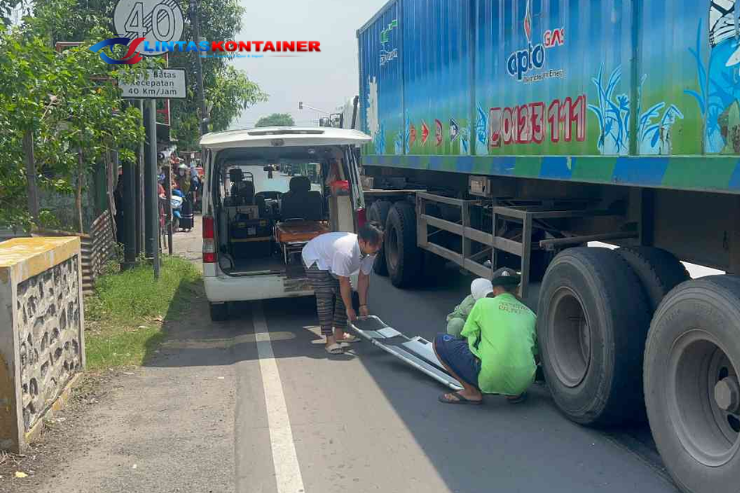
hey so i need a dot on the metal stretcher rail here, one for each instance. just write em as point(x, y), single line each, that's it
point(416, 352)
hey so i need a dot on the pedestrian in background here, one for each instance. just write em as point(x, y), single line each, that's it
point(183, 179)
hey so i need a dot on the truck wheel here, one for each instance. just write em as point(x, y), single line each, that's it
point(592, 321)
point(402, 255)
point(219, 311)
point(659, 271)
point(379, 212)
point(692, 392)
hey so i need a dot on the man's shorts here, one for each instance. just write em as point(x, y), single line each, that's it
point(455, 353)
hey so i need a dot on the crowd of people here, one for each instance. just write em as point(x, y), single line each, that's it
point(185, 184)
point(490, 346)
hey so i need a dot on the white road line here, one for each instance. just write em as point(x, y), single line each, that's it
point(287, 470)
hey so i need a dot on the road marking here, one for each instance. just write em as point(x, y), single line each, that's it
point(284, 458)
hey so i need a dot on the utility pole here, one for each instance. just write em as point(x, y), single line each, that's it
point(151, 198)
point(199, 69)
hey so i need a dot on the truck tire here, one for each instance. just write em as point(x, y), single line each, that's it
point(691, 379)
point(219, 311)
point(403, 256)
point(591, 325)
point(659, 271)
point(379, 212)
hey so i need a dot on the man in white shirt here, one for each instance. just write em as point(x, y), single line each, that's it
point(330, 260)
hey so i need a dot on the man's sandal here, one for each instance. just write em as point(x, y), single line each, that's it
point(516, 399)
point(459, 399)
point(349, 338)
point(334, 349)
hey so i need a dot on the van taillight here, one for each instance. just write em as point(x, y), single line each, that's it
point(361, 217)
point(209, 242)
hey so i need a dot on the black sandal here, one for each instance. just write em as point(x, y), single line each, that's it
point(461, 399)
point(517, 399)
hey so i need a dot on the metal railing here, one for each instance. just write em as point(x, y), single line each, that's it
point(527, 215)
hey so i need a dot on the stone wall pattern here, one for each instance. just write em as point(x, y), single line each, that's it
point(48, 324)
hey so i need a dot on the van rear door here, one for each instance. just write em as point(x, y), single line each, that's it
point(358, 198)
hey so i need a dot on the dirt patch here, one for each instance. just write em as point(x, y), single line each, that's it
point(63, 434)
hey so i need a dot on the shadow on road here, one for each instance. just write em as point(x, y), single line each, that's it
point(533, 446)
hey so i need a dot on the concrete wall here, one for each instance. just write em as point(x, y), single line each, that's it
point(41, 330)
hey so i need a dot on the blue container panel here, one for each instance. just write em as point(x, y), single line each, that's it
point(381, 84)
point(437, 76)
point(552, 78)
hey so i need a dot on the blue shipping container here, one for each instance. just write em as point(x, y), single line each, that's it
point(606, 91)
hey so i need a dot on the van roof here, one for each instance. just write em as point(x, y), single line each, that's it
point(283, 137)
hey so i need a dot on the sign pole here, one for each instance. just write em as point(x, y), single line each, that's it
point(154, 20)
point(151, 195)
point(139, 179)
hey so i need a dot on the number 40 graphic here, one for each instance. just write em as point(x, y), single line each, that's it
point(155, 20)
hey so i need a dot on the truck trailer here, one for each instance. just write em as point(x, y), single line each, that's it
point(516, 132)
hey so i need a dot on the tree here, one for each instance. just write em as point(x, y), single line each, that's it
point(59, 105)
point(73, 117)
point(276, 120)
point(228, 91)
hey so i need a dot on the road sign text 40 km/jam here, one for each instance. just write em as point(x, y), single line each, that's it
point(167, 83)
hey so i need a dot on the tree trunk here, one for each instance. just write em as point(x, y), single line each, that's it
point(33, 198)
point(78, 192)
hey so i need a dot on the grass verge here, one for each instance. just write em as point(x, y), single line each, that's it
point(124, 317)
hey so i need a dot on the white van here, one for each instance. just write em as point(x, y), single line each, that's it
point(267, 192)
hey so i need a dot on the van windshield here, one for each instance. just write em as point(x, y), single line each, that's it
point(281, 176)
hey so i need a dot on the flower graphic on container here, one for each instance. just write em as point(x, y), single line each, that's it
point(613, 114)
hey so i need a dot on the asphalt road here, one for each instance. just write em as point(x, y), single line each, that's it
point(364, 421)
point(255, 405)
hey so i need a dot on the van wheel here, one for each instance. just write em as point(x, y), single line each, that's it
point(379, 212)
point(692, 394)
point(591, 324)
point(403, 256)
point(219, 311)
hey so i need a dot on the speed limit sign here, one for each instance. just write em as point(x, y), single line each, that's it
point(155, 20)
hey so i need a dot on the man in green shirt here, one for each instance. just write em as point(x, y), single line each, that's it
point(496, 354)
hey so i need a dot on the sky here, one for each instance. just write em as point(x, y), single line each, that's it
point(323, 80)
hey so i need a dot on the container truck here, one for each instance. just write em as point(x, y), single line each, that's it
point(516, 132)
